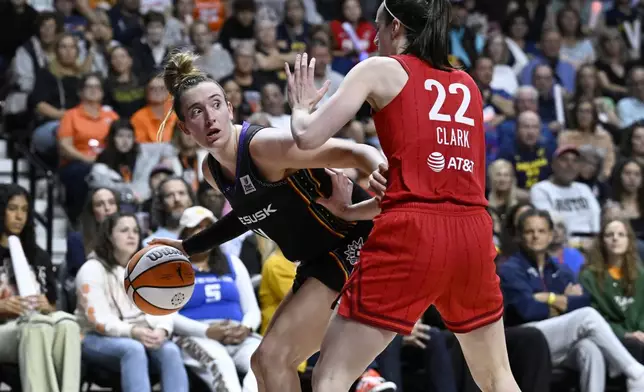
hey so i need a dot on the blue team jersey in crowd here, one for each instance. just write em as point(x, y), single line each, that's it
point(214, 297)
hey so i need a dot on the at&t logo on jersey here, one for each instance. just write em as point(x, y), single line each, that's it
point(436, 162)
point(258, 216)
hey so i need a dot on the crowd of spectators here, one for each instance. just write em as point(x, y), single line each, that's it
point(563, 89)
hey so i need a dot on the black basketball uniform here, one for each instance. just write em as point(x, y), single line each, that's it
point(284, 211)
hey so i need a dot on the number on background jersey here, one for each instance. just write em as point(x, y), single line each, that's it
point(459, 117)
point(213, 292)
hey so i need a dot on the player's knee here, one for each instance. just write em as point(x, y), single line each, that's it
point(272, 353)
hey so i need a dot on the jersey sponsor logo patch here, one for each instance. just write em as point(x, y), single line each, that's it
point(247, 184)
point(436, 162)
point(258, 216)
point(353, 251)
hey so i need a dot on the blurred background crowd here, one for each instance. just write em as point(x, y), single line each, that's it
point(563, 88)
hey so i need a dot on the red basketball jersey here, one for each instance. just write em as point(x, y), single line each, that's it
point(432, 134)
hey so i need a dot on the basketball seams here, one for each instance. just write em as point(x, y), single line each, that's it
point(157, 265)
point(166, 284)
point(143, 264)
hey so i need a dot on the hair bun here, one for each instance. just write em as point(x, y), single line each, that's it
point(179, 68)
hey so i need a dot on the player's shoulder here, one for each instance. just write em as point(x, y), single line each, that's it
point(380, 66)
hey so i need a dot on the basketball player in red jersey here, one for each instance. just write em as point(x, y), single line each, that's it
point(432, 243)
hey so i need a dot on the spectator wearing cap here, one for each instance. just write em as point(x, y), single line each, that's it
point(573, 201)
point(559, 249)
point(586, 130)
point(169, 203)
point(550, 48)
point(216, 326)
point(631, 108)
point(529, 156)
point(125, 165)
point(213, 58)
point(541, 293)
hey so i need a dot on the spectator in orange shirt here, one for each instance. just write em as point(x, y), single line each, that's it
point(211, 12)
point(146, 121)
point(80, 136)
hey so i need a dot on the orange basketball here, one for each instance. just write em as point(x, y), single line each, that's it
point(159, 279)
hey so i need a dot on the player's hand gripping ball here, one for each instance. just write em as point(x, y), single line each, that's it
point(159, 279)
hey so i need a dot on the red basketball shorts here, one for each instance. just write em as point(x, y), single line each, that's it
point(418, 255)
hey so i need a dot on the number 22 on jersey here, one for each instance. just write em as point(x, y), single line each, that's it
point(454, 89)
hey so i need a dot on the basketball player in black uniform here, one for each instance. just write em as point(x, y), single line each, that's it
point(272, 191)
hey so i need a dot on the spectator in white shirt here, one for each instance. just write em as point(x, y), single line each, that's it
point(573, 201)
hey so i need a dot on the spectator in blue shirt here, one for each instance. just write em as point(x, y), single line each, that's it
point(526, 99)
point(550, 47)
point(543, 294)
point(529, 156)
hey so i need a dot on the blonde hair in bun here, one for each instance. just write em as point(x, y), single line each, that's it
point(180, 74)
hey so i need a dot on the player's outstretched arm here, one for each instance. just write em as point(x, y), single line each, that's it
point(277, 149)
point(311, 128)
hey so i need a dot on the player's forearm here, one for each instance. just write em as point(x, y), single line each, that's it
point(222, 231)
point(306, 138)
point(365, 210)
point(367, 158)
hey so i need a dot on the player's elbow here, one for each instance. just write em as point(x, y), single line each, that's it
point(304, 140)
